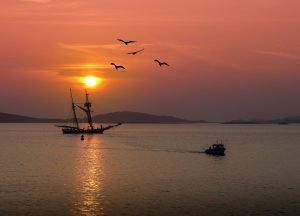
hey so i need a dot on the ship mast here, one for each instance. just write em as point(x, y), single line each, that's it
point(87, 109)
point(74, 111)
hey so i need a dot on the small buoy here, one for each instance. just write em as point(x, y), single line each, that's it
point(82, 137)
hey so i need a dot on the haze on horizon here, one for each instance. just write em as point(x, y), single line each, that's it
point(229, 59)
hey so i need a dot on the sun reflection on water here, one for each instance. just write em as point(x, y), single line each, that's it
point(88, 180)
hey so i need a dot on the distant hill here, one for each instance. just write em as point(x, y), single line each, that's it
point(285, 120)
point(12, 118)
point(124, 117)
point(137, 117)
point(291, 119)
point(243, 121)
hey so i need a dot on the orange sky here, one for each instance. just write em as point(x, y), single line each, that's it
point(229, 59)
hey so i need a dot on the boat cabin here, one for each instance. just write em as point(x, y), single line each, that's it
point(216, 149)
point(217, 146)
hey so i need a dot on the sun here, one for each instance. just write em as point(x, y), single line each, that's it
point(90, 81)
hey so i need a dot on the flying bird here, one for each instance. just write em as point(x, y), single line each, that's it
point(161, 63)
point(126, 42)
point(117, 66)
point(135, 52)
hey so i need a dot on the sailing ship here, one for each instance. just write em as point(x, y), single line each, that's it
point(91, 129)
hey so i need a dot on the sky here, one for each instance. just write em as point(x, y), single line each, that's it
point(228, 59)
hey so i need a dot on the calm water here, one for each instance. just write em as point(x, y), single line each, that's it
point(150, 170)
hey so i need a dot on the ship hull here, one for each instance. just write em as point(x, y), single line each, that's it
point(220, 152)
point(82, 131)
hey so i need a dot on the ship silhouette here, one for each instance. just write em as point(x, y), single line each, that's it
point(91, 129)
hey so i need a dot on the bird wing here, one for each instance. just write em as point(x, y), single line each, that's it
point(165, 63)
point(131, 53)
point(121, 40)
point(139, 50)
point(131, 41)
point(135, 52)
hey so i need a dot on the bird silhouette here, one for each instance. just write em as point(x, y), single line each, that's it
point(117, 66)
point(126, 42)
point(135, 52)
point(161, 63)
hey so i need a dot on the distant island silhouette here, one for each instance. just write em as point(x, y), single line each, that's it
point(285, 120)
point(139, 117)
point(123, 117)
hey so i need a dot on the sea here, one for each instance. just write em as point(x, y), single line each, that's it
point(150, 169)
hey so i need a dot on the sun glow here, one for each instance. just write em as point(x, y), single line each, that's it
point(91, 81)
